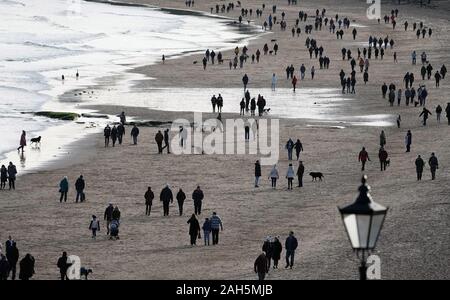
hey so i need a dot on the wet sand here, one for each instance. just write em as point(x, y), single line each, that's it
point(414, 240)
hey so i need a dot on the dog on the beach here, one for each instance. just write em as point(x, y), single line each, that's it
point(85, 272)
point(266, 111)
point(388, 162)
point(36, 140)
point(316, 175)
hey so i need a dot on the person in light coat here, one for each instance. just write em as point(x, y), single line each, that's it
point(274, 176)
point(290, 176)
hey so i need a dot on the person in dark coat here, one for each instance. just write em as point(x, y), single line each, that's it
point(425, 113)
point(13, 257)
point(419, 167)
point(114, 135)
point(3, 177)
point(63, 189)
point(166, 140)
point(257, 173)
point(166, 197)
point(194, 229)
point(120, 133)
point(276, 252)
point(198, 196)
point(268, 250)
point(4, 267)
point(300, 172)
point(79, 187)
point(63, 265)
point(434, 164)
point(181, 196)
point(116, 214)
point(298, 148)
point(363, 157)
point(108, 216)
point(26, 267)
point(245, 81)
point(291, 245)
point(383, 155)
point(12, 172)
point(107, 135)
point(408, 141)
point(134, 134)
point(149, 196)
point(159, 139)
point(260, 266)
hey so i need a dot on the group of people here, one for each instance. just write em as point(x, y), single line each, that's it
point(8, 174)
point(9, 260)
point(271, 250)
point(274, 175)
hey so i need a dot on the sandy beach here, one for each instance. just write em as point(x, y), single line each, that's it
point(414, 243)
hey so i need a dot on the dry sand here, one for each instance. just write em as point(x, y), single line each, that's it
point(413, 244)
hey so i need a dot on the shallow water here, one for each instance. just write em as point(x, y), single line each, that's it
point(42, 40)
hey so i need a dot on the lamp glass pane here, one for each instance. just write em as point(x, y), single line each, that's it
point(352, 229)
point(377, 222)
point(363, 222)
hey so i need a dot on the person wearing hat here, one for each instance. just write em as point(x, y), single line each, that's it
point(94, 226)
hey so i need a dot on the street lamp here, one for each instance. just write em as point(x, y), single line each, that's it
point(363, 221)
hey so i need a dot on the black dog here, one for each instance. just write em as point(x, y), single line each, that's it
point(316, 175)
point(85, 272)
point(36, 140)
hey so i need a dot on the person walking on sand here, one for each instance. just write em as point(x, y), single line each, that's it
point(290, 176)
point(63, 189)
point(298, 148)
point(79, 187)
point(4, 268)
point(289, 147)
point(166, 197)
point(383, 155)
point(419, 167)
point(94, 226)
point(114, 135)
point(194, 229)
point(260, 266)
point(26, 267)
point(291, 245)
point(3, 177)
point(134, 134)
point(363, 158)
point(23, 141)
point(12, 173)
point(116, 214)
point(274, 176)
point(120, 133)
point(268, 250)
point(276, 252)
point(206, 231)
point(159, 139)
point(300, 172)
point(214, 103)
point(181, 196)
point(108, 216)
point(63, 265)
point(166, 140)
point(425, 113)
point(198, 196)
point(216, 226)
point(245, 81)
point(434, 165)
point(382, 139)
point(13, 257)
point(107, 135)
point(149, 196)
point(438, 113)
point(408, 141)
point(257, 173)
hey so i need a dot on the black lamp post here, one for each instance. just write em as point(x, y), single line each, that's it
point(363, 221)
